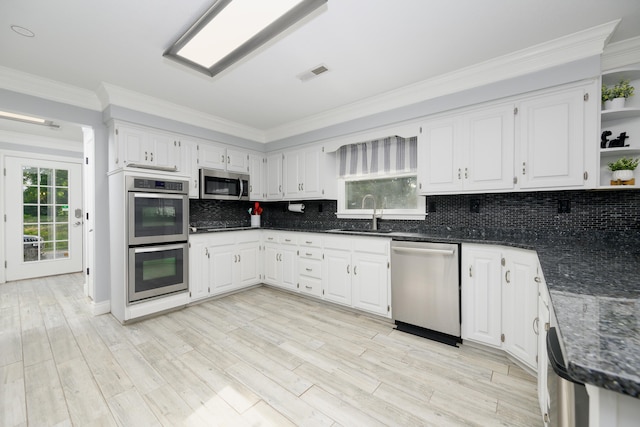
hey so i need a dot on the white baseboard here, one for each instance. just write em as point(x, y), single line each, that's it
point(98, 308)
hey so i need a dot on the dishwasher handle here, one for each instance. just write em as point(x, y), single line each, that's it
point(408, 250)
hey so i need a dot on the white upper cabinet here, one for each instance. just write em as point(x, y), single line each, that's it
point(274, 176)
point(488, 149)
point(135, 146)
point(542, 141)
point(215, 156)
point(551, 140)
point(302, 173)
point(467, 152)
point(258, 175)
point(439, 155)
point(189, 166)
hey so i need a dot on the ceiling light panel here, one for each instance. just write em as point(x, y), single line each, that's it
point(231, 29)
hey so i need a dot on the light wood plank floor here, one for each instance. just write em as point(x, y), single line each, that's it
point(257, 358)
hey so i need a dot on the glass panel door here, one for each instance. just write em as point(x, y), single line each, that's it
point(43, 202)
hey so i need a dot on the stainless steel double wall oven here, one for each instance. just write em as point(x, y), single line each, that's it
point(158, 224)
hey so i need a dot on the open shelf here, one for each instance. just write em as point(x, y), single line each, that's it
point(623, 113)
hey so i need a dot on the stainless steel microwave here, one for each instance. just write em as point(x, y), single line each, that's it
point(216, 184)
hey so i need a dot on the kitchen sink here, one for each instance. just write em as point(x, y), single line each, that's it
point(368, 231)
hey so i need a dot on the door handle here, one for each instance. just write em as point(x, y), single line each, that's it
point(77, 223)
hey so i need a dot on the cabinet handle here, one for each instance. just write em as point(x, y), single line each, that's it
point(280, 188)
point(308, 242)
point(507, 276)
point(195, 183)
point(228, 159)
point(151, 156)
point(466, 173)
point(524, 168)
point(299, 187)
point(308, 254)
point(355, 270)
point(536, 326)
point(250, 188)
point(308, 287)
point(537, 279)
point(470, 271)
point(146, 155)
point(459, 173)
point(222, 158)
point(235, 258)
point(309, 269)
point(287, 240)
point(348, 269)
point(302, 186)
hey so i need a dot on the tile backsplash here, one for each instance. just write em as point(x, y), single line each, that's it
point(597, 214)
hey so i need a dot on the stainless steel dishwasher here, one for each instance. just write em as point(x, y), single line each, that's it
point(425, 289)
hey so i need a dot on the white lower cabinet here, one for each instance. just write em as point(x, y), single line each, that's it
point(357, 273)
point(280, 259)
point(310, 264)
point(223, 262)
point(500, 299)
point(481, 302)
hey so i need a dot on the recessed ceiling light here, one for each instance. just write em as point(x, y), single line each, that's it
point(23, 31)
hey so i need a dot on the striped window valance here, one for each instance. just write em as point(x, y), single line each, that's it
point(386, 156)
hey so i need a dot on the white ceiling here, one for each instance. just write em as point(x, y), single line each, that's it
point(370, 46)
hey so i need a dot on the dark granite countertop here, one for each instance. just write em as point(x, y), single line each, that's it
point(594, 286)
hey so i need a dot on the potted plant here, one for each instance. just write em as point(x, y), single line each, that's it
point(623, 168)
point(607, 96)
point(620, 92)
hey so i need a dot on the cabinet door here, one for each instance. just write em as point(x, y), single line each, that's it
point(481, 282)
point(247, 265)
point(213, 156)
point(272, 264)
point(133, 146)
point(439, 151)
point(311, 173)
point(189, 166)
point(551, 140)
point(257, 187)
point(520, 305)
point(237, 160)
point(288, 259)
point(221, 268)
point(198, 270)
point(163, 150)
point(370, 282)
point(543, 319)
point(336, 275)
point(274, 177)
point(291, 179)
point(489, 144)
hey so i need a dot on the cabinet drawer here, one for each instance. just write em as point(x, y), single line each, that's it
point(311, 253)
point(314, 240)
point(288, 239)
point(310, 286)
point(310, 268)
point(371, 245)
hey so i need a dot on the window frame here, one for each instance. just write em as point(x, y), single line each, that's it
point(419, 213)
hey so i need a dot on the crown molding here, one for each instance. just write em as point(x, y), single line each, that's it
point(621, 54)
point(29, 84)
point(545, 55)
point(114, 95)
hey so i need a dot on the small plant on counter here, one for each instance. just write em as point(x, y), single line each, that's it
point(622, 90)
point(624, 163)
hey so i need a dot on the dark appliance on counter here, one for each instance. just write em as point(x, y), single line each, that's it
point(425, 289)
point(222, 185)
point(158, 224)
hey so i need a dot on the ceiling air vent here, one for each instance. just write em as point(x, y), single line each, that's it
point(313, 73)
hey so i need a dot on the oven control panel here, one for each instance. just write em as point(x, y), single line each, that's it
point(156, 185)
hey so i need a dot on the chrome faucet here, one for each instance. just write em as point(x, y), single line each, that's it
point(374, 220)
